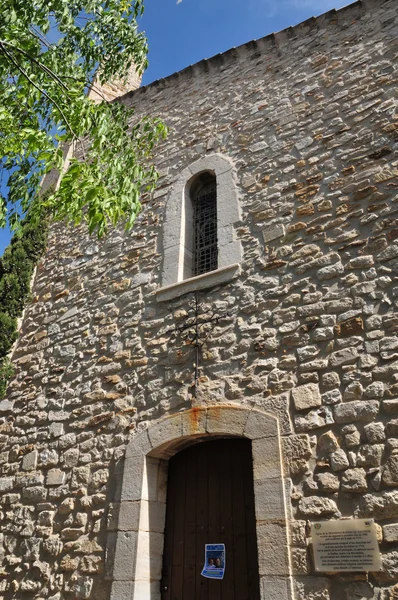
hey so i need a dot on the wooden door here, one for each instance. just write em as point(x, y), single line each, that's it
point(210, 500)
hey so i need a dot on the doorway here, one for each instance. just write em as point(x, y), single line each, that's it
point(210, 500)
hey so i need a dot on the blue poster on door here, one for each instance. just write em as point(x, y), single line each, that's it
point(214, 567)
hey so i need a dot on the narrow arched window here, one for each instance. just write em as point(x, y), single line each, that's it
point(204, 211)
point(200, 244)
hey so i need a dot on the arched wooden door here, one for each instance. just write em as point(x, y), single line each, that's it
point(210, 500)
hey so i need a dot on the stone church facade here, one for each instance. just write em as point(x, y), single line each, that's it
point(126, 356)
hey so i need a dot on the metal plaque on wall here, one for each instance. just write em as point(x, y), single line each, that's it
point(346, 545)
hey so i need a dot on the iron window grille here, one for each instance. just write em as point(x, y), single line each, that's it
point(205, 247)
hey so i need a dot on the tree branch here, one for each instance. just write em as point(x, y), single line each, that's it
point(36, 33)
point(38, 63)
point(92, 85)
point(11, 59)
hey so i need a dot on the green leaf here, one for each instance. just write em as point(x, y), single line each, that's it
point(43, 106)
point(92, 193)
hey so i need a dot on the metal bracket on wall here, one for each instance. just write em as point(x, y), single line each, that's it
point(196, 328)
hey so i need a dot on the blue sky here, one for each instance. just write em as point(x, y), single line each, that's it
point(182, 32)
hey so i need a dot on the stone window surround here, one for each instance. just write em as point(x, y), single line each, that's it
point(138, 558)
point(176, 230)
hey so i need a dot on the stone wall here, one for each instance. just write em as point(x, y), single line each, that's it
point(113, 89)
point(307, 330)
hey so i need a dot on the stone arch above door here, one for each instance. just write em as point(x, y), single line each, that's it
point(139, 544)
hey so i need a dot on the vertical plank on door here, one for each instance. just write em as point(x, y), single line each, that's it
point(202, 521)
point(214, 460)
point(178, 548)
point(190, 526)
point(239, 516)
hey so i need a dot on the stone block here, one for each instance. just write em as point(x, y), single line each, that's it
point(151, 479)
point(278, 406)
point(339, 460)
point(357, 410)
point(391, 406)
point(29, 461)
point(314, 506)
point(315, 419)
point(272, 549)
point(194, 422)
point(145, 589)
point(125, 556)
point(226, 419)
point(300, 562)
point(53, 545)
point(296, 453)
point(313, 588)
point(385, 372)
point(269, 499)
point(70, 458)
point(390, 471)
point(232, 254)
point(56, 429)
point(297, 531)
point(370, 455)
point(6, 483)
point(140, 445)
point(6, 405)
point(28, 479)
point(80, 477)
point(354, 481)
point(347, 356)
point(59, 415)
point(327, 443)
point(66, 506)
point(166, 430)
point(55, 477)
point(273, 232)
point(149, 556)
point(71, 533)
point(392, 428)
point(328, 482)
point(383, 505)
point(152, 516)
point(80, 586)
point(72, 312)
point(352, 436)
point(266, 458)
point(330, 271)
point(275, 588)
point(349, 327)
point(129, 516)
point(260, 425)
point(390, 533)
point(375, 432)
point(390, 567)
point(331, 397)
point(306, 396)
point(330, 380)
point(133, 478)
point(34, 494)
